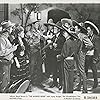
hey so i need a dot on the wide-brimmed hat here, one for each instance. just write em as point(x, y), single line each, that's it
point(54, 25)
point(75, 23)
point(6, 24)
point(94, 27)
point(62, 28)
point(59, 23)
point(71, 33)
point(66, 20)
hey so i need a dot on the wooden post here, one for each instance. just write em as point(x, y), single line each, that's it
point(21, 13)
point(6, 12)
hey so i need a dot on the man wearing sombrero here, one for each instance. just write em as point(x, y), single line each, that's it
point(69, 50)
point(68, 23)
point(57, 43)
point(86, 44)
point(6, 51)
point(92, 55)
point(49, 62)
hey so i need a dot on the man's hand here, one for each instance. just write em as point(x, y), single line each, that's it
point(14, 47)
point(55, 45)
point(10, 50)
point(59, 57)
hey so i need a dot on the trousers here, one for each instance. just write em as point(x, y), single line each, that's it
point(89, 63)
point(80, 61)
point(6, 76)
point(68, 76)
point(35, 66)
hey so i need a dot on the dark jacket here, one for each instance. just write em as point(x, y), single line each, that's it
point(60, 42)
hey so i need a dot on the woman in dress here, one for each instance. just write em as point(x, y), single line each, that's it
point(20, 66)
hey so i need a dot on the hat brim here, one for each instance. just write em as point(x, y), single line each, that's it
point(88, 23)
point(65, 20)
point(70, 33)
point(54, 25)
point(82, 28)
point(12, 25)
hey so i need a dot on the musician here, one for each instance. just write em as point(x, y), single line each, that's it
point(58, 45)
point(92, 56)
point(49, 61)
point(86, 45)
point(6, 52)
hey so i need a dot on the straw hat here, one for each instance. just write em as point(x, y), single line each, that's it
point(54, 25)
point(6, 24)
point(72, 34)
point(75, 23)
point(94, 27)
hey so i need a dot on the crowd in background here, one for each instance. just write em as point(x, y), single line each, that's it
point(58, 51)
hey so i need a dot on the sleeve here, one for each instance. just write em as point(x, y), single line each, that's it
point(87, 42)
point(97, 47)
point(2, 47)
point(65, 50)
point(27, 47)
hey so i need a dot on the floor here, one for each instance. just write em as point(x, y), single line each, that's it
point(55, 90)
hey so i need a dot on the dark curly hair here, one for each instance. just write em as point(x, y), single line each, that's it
point(17, 29)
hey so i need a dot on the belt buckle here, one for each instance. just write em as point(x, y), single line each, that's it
point(69, 58)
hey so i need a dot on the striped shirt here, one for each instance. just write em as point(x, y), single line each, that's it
point(86, 41)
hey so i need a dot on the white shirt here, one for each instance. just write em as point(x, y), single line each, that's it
point(91, 53)
point(4, 45)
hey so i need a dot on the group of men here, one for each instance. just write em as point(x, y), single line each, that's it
point(73, 46)
point(67, 45)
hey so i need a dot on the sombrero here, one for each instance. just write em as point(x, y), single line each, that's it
point(75, 23)
point(71, 33)
point(59, 23)
point(90, 24)
point(66, 20)
point(62, 28)
point(54, 25)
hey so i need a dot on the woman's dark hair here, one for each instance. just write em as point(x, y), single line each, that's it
point(17, 29)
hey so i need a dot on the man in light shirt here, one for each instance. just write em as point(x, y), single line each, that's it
point(6, 52)
point(85, 46)
point(92, 54)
